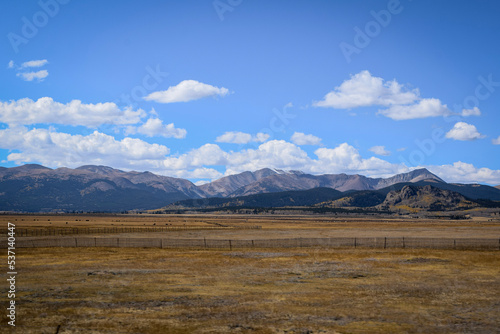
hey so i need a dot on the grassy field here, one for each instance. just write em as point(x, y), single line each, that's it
point(303, 290)
point(291, 291)
point(272, 226)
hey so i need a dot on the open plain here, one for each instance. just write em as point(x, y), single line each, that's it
point(292, 290)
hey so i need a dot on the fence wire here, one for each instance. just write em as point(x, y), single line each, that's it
point(343, 242)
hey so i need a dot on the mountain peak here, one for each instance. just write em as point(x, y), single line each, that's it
point(99, 169)
point(424, 173)
point(29, 167)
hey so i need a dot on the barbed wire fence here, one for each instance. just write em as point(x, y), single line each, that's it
point(63, 231)
point(230, 244)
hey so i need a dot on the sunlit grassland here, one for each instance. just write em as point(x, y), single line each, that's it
point(306, 290)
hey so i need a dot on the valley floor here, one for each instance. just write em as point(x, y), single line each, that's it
point(292, 290)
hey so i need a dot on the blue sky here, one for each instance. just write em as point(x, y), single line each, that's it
point(202, 89)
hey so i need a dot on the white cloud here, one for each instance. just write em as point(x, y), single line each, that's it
point(206, 155)
point(273, 154)
point(363, 90)
point(57, 149)
point(423, 109)
point(30, 76)
point(155, 127)
point(496, 141)
point(46, 110)
point(346, 159)
point(261, 137)
point(380, 150)
point(461, 172)
point(185, 91)
point(35, 63)
point(471, 112)
point(300, 138)
point(236, 137)
point(464, 131)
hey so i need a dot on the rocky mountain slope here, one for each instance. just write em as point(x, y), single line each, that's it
point(227, 185)
point(100, 188)
point(88, 188)
point(273, 181)
point(427, 198)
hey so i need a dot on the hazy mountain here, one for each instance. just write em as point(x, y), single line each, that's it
point(427, 196)
point(101, 188)
point(225, 186)
point(88, 188)
point(300, 181)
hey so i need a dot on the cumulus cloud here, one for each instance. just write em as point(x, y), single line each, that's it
point(185, 91)
point(471, 112)
point(463, 131)
point(422, 109)
point(261, 137)
point(496, 141)
point(300, 138)
point(274, 154)
point(380, 150)
point(236, 137)
point(155, 127)
point(363, 90)
point(46, 110)
point(11, 64)
point(35, 63)
point(57, 149)
point(347, 159)
point(206, 155)
point(461, 172)
point(30, 76)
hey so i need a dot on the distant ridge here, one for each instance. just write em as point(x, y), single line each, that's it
point(406, 197)
point(35, 188)
point(271, 180)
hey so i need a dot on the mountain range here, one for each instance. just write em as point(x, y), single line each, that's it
point(35, 188)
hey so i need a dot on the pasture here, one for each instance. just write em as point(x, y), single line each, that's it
point(273, 290)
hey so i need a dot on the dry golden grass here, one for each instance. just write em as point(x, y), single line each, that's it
point(272, 226)
point(107, 290)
